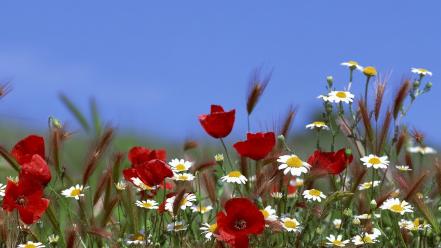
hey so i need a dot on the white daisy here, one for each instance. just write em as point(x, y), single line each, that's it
point(277, 195)
point(180, 165)
point(183, 177)
point(397, 206)
point(336, 241)
point(368, 185)
point(31, 244)
point(290, 224)
point(2, 190)
point(317, 124)
point(269, 213)
point(375, 161)
point(121, 185)
point(403, 168)
point(337, 223)
point(176, 226)
point(340, 96)
point(422, 150)
point(148, 204)
point(420, 71)
point(324, 98)
point(137, 239)
point(208, 230)
point(367, 238)
point(219, 157)
point(52, 239)
point(187, 201)
point(202, 209)
point(74, 192)
point(352, 65)
point(411, 225)
point(234, 177)
point(314, 195)
point(298, 182)
point(363, 216)
point(140, 184)
point(293, 164)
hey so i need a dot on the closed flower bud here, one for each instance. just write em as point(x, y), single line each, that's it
point(330, 81)
point(54, 123)
point(428, 87)
point(416, 84)
point(219, 158)
point(356, 221)
point(347, 212)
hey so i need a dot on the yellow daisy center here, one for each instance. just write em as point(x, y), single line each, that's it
point(416, 223)
point(397, 208)
point(367, 239)
point(318, 123)
point(294, 162)
point(147, 204)
point(422, 70)
point(314, 192)
point(212, 228)
point(352, 63)
point(75, 192)
point(234, 174)
point(183, 177)
point(265, 213)
point(180, 167)
point(184, 201)
point(374, 160)
point(290, 224)
point(370, 71)
point(30, 246)
point(138, 237)
point(341, 94)
point(367, 185)
point(337, 242)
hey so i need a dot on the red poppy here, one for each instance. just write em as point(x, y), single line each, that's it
point(240, 219)
point(218, 123)
point(148, 166)
point(257, 145)
point(139, 155)
point(27, 147)
point(36, 170)
point(330, 162)
point(27, 199)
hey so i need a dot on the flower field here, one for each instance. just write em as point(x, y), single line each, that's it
point(368, 179)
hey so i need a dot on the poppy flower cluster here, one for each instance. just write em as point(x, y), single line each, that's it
point(148, 166)
point(26, 194)
point(219, 124)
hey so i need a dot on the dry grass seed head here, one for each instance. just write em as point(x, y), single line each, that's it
point(257, 85)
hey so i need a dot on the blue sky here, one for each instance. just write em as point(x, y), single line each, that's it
point(154, 66)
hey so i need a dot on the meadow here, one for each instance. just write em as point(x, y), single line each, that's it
point(356, 176)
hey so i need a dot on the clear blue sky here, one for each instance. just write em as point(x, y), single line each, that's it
point(155, 65)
